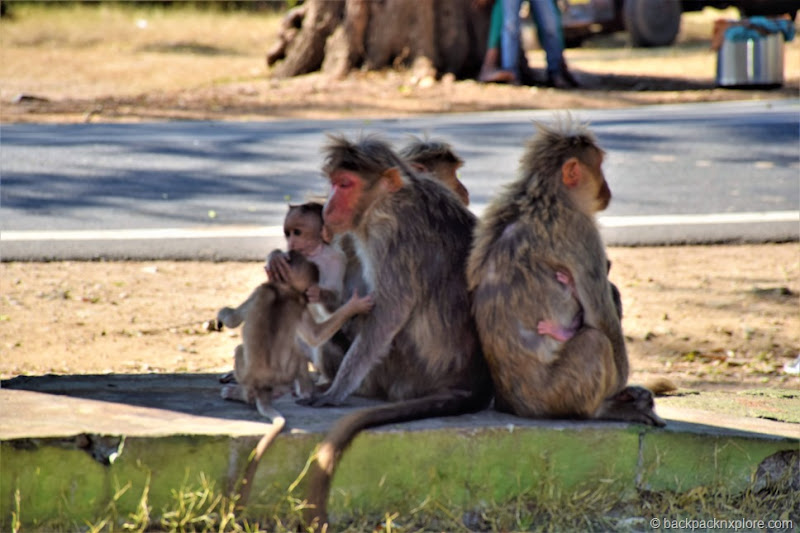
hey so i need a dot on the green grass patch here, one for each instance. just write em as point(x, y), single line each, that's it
point(202, 506)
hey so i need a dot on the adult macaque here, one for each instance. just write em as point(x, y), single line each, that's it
point(269, 360)
point(433, 158)
point(542, 224)
point(418, 347)
point(438, 159)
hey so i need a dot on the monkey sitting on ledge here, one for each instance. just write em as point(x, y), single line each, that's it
point(269, 360)
point(542, 225)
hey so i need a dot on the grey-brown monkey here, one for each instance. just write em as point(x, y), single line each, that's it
point(269, 360)
point(433, 158)
point(418, 347)
point(542, 224)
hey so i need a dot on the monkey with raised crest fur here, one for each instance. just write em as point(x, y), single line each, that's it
point(418, 347)
point(431, 158)
point(542, 224)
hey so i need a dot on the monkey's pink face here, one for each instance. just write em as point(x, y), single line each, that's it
point(341, 206)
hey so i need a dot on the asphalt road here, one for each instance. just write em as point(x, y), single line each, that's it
point(693, 173)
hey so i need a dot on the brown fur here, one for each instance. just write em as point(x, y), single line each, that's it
point(269, 360)
point(440, 160)
point(430, 158)
point(539, 225)
point(418, 347)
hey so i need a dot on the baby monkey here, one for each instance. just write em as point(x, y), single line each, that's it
point(304, 232)
point(552, 328)
point(563, 333)
point(269, 360)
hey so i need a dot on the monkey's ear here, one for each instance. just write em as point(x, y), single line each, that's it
point(392, 179)
point(571, 172)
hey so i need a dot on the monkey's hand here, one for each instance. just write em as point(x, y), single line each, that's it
point(360, 304)
point(313, 294)
point(278, 268)
point(319, 400)
point(551, 329)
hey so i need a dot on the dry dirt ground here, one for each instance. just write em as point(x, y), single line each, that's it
point(140, 63)
point(706, 317)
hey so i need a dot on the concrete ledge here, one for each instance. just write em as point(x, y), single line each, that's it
point(74, 445)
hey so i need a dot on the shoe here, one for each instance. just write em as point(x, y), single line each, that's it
point(490, 73)
point(558, 80)
point(570, 78)
point(497, 76)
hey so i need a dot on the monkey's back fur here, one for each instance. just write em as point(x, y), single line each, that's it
point(418, 347)
point(437, 347)
point(271, 357)
point(526, 235)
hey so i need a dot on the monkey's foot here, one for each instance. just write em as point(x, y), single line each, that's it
point(231, 392)
point(319, 400)
point(632, 404)
point(227, 377)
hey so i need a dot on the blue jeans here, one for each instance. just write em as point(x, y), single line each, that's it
point(547, 18)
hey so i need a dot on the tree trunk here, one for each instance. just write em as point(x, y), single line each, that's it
point(338, 35)
point(306, 51)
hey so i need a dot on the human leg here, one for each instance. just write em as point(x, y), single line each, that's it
point(547, 17)
point(510, 41)
point(490, 71)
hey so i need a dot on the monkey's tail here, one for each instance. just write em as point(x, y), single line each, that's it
point(336, 441)
point(661, 386)
point(278, 423)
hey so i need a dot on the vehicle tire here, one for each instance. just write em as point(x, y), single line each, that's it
point(772, 8)
point(652, 22)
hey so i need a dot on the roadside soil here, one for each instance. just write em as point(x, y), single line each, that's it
point(706, 317)
point(130, 64)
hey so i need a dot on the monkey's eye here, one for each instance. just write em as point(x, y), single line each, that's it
point(297, 233)
point(286, 233)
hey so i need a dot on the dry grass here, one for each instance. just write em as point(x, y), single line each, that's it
point(92, 51)
point(125, 62)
